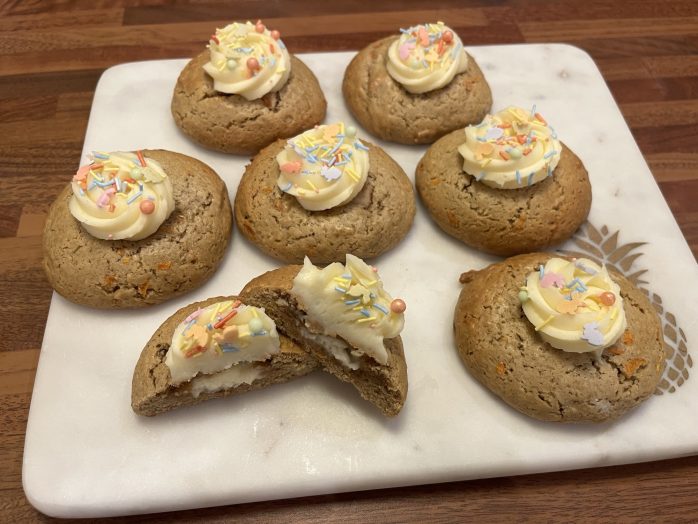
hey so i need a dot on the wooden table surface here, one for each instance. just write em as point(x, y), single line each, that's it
point(51, 56)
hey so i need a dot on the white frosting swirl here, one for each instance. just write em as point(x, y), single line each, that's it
point(426, 57)
point(219, 336)
point(574, 305)
point(121, 196)
point(349, 301)
point(324, 167)
point(248, 60)
point(510, 149)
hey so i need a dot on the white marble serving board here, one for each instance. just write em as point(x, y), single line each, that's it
point(88, 454)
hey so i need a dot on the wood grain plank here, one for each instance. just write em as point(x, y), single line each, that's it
point(674, 166)
point(17, 370)
point(91, 19)
point(557, 31)
point(651, 114)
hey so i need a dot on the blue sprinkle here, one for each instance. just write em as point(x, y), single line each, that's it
point(352, 302)
point(134, 197)
point(518, 178)
point(281, 44)
point(551, 153)
point(339, 289)
point(103, 184)
point(359, 145)
point(82, 193)
point(311, 158)
point(310, 149)
point(191, 323)
point(530, 179)
point(346, 275)
point(366, 312)
point(381, 308)
point(259, 333)
point(480, 176)
point(227, 348)
point(541, 271)
point(550, 171)
point(405, 31)
point(533, 110)
point(554, 134)
point(100, 155)
point(481, 139)
point(287, 188)
point(92, 185)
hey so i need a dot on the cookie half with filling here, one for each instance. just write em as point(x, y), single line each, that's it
point(505, 186)
point(134, 229)
point(245, 91)
point(344, 319)
point(559, 339)
point(416, 87)
point(324, 193)
point(211, 349)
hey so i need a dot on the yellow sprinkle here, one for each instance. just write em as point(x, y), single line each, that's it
point(614, 313)
point(486, 162)
point(538, 328)
point(357, 308)
point(361, 320)
point(312, 186)
point(254, 312)
point(352, 175)
point(370, 283)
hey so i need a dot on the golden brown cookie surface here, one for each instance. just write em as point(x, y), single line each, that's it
point(502, 221)
point(387, 110)
point(502, 350)
point(182, 254)
point(232, 124)
point(370, 224)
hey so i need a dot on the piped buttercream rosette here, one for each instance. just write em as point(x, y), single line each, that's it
point(324, 167)
point(426, 57)
point(219, 336)
point(247, 59)
point(574, 305)
point(348, 301)
point(511, 149)
point(121, 196)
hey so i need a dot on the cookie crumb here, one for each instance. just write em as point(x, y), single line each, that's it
point(165, 265)
point(501, 368)
point(143, 288)
point(616, 350)
point(628, 338)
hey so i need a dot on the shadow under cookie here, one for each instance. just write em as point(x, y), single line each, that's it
point(233, 124)
point(369, 225)
point(502, 221)
point(387, 110)
point(180, 256)
point(502, 350)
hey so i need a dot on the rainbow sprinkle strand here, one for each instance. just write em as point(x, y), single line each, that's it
point(358, 295)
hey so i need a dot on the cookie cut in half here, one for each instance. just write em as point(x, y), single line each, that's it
point(416, 87)
point(343, 318)
point(245, 91)
point(215, 348)
point(559, 339)
point(134, 229)
point(322, 194)
point(505, 186)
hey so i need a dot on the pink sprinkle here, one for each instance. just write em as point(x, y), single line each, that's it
point(105, 197)
point(552, 279)
point(404, 51)
point(291, 167)
point(194, 315)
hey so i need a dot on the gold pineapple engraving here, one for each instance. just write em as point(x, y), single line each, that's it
point(602, 246)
